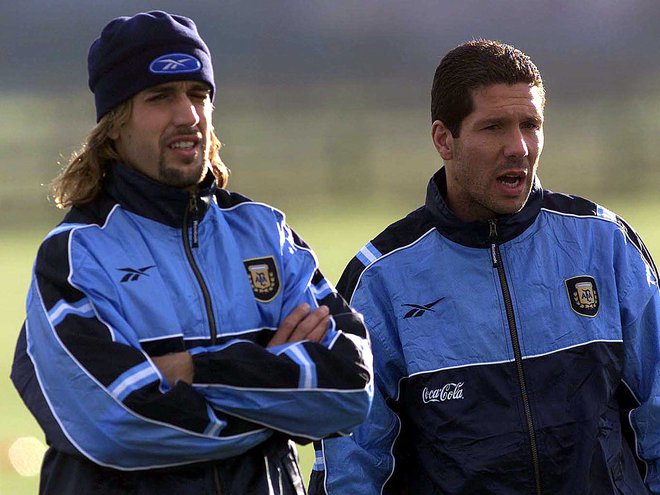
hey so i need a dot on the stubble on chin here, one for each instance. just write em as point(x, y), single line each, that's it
point(183, 177)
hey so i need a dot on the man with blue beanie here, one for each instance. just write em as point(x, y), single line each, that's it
point(178, 336)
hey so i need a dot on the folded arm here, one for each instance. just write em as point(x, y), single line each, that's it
point(95, 392)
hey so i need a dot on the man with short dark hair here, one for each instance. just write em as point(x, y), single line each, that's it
point(178, 336)
point(515, 331)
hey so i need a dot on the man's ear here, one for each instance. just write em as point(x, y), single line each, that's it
point(113, 133)
point(442, 140)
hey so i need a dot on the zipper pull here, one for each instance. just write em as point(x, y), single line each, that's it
point(194, 209)
point(492, 237)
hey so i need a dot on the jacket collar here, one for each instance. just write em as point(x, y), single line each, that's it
point(478, 234)
point(145, 197)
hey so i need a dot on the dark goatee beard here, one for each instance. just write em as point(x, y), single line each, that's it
point(191, 173)
point(182, 178)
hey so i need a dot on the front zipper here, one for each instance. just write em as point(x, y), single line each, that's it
point(193, 211)
point(497, 263)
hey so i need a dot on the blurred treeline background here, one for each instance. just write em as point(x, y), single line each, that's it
point(324, 111)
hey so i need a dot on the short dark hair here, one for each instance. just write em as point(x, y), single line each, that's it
point(473, 65)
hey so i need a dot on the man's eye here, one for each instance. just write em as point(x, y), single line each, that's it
point(157, 97)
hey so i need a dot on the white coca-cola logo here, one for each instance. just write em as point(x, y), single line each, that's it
point(450, 391)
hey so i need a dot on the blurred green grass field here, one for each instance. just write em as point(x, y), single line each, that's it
point(335, 232)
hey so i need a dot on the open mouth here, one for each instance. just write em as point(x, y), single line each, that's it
point(184, 143)
point(512, 179)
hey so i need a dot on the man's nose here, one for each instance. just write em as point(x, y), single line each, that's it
point(516, 144)
point(185, 112)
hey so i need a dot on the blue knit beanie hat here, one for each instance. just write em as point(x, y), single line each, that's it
point(135, 53)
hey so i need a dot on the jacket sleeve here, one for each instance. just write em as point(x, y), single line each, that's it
point(637, 278)
point(289, 387)
point(81, 371)
point(364, 462)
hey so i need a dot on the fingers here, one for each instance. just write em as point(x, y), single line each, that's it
point(317, 334)
point(302, 325)
point(289, 324)
point(314, 324)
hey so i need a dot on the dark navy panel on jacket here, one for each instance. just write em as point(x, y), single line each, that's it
point(462, 433)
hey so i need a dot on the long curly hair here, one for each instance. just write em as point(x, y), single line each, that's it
point(80, 181)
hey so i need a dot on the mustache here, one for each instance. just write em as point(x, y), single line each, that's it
point(514, 164)
point(183, 130)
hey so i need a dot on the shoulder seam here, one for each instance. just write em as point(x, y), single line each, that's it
point(575, 215)
point(624, 229)
point(401, 248)
point(72, 227)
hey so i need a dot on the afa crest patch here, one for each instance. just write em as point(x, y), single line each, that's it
point(264, 278)
point(583, 295)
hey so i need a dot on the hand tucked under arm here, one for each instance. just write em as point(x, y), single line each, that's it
point(175, 366)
